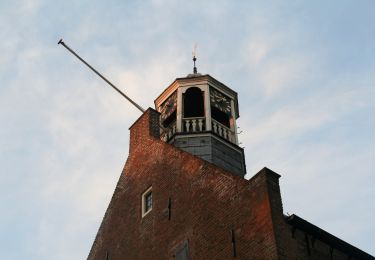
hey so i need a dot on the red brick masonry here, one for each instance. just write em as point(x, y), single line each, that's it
point(194, 203)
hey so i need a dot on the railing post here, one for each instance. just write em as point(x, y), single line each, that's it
point(224, 133)
point(214, 126)
point(187, 125)
point(194, 124)
point(200, 124)
point(220, 130)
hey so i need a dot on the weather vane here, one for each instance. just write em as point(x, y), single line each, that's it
point(195, 58)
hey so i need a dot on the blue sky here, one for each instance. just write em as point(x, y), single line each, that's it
point(304, 72)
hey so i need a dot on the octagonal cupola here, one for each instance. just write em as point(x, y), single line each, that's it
point(198, 114)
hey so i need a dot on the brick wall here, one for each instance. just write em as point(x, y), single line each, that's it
point(207, 203)
point(199, 206)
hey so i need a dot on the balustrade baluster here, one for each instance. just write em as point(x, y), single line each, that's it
point(200, 124)
point(220, 130)
point(187, 125)
point(194, 124)
point(224, 133)
point(214, 126)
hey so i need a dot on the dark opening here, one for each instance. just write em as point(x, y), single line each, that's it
point(193, 103)
point(233, 243)
point(170, 119)
point(182, 252)
point(148, 202)
point(220, 116)
point(169, 208)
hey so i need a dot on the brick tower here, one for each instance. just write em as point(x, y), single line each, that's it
point(182, 194)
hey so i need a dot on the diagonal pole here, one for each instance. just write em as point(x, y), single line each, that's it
point(100, 75)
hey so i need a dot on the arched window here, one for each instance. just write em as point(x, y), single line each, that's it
point(193, 103)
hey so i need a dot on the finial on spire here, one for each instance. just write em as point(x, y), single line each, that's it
point(195, 58)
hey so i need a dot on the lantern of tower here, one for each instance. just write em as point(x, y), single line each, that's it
point(198, 114)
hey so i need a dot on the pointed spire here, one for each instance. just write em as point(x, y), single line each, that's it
point(195, 71)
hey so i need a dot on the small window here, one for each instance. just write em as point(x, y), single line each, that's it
point(146, 202)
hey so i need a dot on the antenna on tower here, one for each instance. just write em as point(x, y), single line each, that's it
point(100, 75)
point(195, 58)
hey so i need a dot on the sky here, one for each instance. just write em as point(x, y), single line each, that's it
point(303, 70)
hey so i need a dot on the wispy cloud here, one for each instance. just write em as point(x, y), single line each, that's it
point(64, 134)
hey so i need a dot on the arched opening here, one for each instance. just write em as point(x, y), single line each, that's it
point(170, 119)
point(193, 103)
point(220, 116)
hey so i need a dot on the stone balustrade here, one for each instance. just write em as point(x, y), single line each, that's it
point(168, 132)
point(223, 131)
point(197, 124)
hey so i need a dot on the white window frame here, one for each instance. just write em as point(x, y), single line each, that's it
point(144, 194)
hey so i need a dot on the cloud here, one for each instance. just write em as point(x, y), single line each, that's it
point(257, 50)
point(64, 134)
point(272, 68)
point(79, 169)
point(307, 141)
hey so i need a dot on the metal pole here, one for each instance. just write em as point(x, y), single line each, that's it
point(100, 75)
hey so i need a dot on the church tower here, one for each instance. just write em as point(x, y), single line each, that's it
point(198, 114)
point(182, 194)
